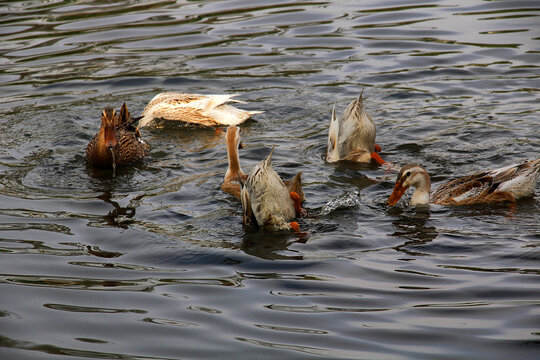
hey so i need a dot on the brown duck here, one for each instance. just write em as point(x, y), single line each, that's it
point(117, 143)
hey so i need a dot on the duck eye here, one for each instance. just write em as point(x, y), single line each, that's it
point(408, 173)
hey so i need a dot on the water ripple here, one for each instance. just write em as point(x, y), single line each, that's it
point(158, 254)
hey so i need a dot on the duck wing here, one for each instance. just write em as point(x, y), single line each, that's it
point(504, 184)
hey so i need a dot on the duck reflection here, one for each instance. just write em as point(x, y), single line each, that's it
point(413, 228)
point(272, 245)
point(119, 216)
point(97, 173)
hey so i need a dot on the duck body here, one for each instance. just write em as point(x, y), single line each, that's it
point(266, 198)
point(234, 176)
point(117, 143)
point(508, 183)
point(206, 110)
point(351, 137)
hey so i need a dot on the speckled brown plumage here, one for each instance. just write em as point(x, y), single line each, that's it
point(118, 133)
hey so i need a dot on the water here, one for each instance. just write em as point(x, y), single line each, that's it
point(155, 264)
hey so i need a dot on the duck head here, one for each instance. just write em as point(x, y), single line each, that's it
point(415, 176)
point(108, 127)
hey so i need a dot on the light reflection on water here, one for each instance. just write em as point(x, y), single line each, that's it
point(155, 263)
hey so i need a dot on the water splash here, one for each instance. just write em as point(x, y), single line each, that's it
point(347, 200)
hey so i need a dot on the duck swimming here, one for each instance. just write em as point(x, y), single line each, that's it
point(235, 176)
point(206, 110)
point(267, 201)
point(117, 143)
point(352, 136)
point(509, 183)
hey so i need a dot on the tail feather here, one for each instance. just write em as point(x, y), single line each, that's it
point(333, 133)
point(214, 101)
point(268, 160)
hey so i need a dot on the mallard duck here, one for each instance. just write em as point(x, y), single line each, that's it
point(235, 176)
point(352, 136)
point(266, 199)
point(207, 110)
point(117, 143)
point(505, 184)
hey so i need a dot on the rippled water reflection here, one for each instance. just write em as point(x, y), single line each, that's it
point(155, 263)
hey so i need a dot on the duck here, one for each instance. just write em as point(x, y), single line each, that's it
point(352, 136)
point(205, 110)
point(266, 200)
point(234, 176)
point(506, 184)
point(117, 143)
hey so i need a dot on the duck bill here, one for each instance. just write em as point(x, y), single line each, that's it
point(398, 192)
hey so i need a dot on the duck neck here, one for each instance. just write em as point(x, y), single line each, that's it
point(102, 153)
point(421, 191)
point(234, 171)
point(102, 150)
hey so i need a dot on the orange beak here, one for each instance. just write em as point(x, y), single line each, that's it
point(398, 192)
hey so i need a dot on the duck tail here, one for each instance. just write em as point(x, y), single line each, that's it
point(255, 112)
point(268, 160)
point(333, 132)
point(125, 116)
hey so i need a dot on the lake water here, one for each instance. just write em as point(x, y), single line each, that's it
point(155, 263)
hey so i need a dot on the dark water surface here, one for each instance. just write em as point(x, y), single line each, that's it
point(155, 264)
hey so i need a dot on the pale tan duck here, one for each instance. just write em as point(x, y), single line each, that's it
point(352, 136)
point(509, 183)
point(266, 199)
point(235, 176)
point(206, 110)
